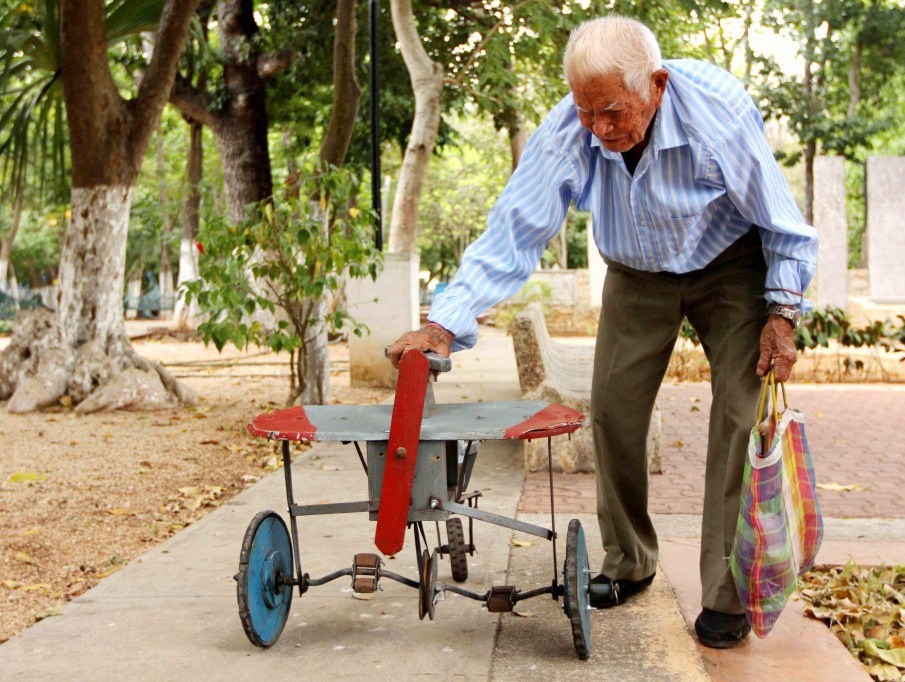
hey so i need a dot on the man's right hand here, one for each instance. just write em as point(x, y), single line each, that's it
point(431, 337)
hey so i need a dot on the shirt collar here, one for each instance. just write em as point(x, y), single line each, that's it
point(667, 133)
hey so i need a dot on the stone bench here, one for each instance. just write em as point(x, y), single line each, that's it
point(558, 372)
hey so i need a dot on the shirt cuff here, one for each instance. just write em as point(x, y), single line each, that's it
point(786, 283)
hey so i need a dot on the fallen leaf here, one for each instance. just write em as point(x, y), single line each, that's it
point(894, 656)
point(26, 477)
point(66, 401)
point(521, 543)
point(49, 613)
point(24, 558)
point(523, 614)
point(35, 587)
point(31, 531)
point(120, 512)
point(108, 572)
point(839, 486)
point(209, 442)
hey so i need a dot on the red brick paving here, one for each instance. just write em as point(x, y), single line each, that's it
point(854, 431)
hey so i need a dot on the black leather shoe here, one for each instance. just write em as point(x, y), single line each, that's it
point(721, 630)
point(609, 592)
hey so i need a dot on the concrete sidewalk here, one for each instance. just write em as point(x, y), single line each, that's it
point(172, 614)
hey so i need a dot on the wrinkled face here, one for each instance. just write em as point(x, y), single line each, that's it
point(615, 114)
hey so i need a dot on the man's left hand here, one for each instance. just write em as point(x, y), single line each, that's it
point(777, 348)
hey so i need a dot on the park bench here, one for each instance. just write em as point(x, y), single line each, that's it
point(560, 373)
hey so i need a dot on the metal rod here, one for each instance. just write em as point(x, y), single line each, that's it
point(332, 508)
point(496, 519)
point(287, 471)
point(443, 587)
point(550, 589)
point(461, 482)
point(418, 553)
point(552, 512)
point(361, 457)
point(327, 578)
point(399, 578)
point(374, 92)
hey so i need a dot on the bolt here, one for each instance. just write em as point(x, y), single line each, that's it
point(434, 503)
point(400, 453)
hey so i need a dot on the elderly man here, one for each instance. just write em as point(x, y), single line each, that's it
point(694, 220)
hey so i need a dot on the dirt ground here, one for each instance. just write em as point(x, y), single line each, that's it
point(80, 496)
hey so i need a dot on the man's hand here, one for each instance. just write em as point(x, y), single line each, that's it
point(430, 337)
point(777, 348)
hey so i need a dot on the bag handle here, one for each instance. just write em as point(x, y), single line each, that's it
point(770, 385)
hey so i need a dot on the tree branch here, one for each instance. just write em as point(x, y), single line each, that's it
point(192, 102)
point(158, 80)
point(346, 90)
point(269, 64)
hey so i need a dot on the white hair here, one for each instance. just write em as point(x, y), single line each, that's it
point(613, 44)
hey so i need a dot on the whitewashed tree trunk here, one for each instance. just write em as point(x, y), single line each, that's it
point(94, 251)
point(82, 351)
point(6, 247)
point(6, 251)
point(186, 316)
point(13, 281)
point(426, 76)
point(133, 294)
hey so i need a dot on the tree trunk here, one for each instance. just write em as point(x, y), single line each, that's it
point(186, 316)
point(6, 246)
point(165, 274)
point(427, 84)
point(810, 151)
point(81, 355)
point(517, 139)
point(346, 91)
point(313, 370)
point(241, 127)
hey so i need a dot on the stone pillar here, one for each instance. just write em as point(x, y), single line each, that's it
point(832, 228)
point(596, 268)
point(389, 307)
point(886, 238)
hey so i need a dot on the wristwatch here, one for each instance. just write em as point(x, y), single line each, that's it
point(790, 313)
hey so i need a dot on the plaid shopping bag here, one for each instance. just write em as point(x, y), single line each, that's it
point(779, 525)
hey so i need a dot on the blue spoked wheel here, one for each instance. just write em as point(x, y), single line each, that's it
point(265, 579)
point(577, 589)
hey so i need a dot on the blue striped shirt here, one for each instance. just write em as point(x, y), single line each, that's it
point(706, 176)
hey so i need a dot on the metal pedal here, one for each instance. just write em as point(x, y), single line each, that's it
point(365, 573)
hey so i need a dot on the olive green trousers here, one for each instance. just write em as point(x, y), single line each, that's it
point(641, 316)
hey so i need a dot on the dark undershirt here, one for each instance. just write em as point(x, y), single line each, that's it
point(633, 155)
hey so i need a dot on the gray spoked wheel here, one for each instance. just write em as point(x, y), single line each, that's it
point(458, 552)
point(577, 584)
point(265, 579)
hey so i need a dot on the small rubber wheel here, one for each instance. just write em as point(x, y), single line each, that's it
point(265, 579)
point(426, 588)
point(458, 552)
point(577, 584)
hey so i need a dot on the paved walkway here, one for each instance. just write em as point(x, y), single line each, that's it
point(171, 615)
point(854, 432)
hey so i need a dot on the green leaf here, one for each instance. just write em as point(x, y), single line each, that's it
point(880, 649)
point(26, 477)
